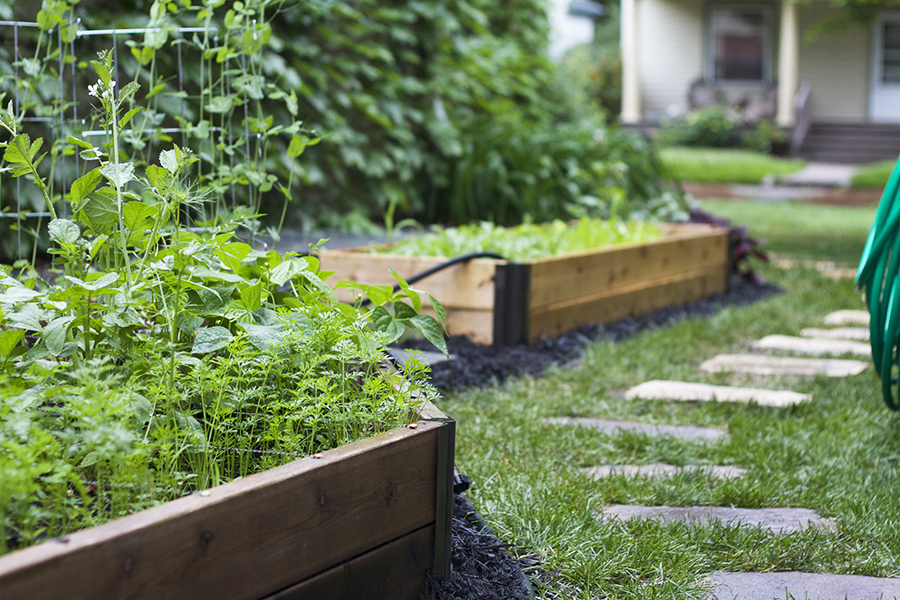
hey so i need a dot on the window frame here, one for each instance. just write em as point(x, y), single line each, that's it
point(768, 49)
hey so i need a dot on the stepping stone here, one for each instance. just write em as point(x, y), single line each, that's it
point(812, 346)
point(776, 520)
point(428, 358)
point(847, 317)
point(701, 392)
point(838, 333)
point(699, 434)
point(802, 586)
point(776, 365)
point(661, 471)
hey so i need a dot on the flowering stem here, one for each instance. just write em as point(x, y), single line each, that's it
point(114, 115)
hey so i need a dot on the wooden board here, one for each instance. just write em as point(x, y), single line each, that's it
point(394, 571)
point(469, 285)
point(248, 538)
point(586, 275)
point(552, 320)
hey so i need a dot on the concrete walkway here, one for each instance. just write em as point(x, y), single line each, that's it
point(822, 175)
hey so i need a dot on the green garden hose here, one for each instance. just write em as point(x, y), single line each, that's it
point(877, 277)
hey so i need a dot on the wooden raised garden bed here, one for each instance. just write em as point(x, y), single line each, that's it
point(494, 301)
point(366, 520)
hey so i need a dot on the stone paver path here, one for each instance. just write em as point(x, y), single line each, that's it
point(847, 317)
point(802, 586)
point(701, 392)
point(838, 333)
point(699, 434)
point(773, 365)
point(776, 520)
point(823, 174)
point(811, 346)
point(661, 471)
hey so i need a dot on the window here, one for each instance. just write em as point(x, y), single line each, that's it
point(890, 53)
point(739, 42)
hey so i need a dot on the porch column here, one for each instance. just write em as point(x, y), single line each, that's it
point(788, 51)
point(631, 87)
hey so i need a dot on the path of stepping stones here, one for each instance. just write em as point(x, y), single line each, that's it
point(846, 336)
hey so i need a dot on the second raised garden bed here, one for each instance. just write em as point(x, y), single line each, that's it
point(499, 302)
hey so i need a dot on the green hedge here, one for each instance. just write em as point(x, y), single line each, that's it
point(447, 110)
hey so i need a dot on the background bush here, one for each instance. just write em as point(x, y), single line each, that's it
point(442, 109)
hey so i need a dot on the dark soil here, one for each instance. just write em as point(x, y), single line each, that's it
point(476, 365)
point(481, 567)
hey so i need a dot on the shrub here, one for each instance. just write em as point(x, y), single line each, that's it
point(710, 127)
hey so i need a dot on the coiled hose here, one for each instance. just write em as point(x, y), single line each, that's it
point(877, 277)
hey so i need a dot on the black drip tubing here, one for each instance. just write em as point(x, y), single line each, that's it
point(438, 268)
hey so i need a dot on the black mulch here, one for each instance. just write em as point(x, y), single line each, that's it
point(481, 567)
point(476, 365)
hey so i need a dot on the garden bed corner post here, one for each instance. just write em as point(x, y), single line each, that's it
point(512, 287)
point(444, 511)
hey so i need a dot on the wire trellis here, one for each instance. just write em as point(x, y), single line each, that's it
point(68, 44)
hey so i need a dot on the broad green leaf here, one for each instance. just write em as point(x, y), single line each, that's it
point(129, 90)
point(251, 296)
point(317, 283)
point(169, 161)
point(287, 271)
point(100, 211)
point(206, 273)
point(78, 142)
point(102, 71)
point(83, 186)
point(141, 408)
point(118, 175)
point(26, 316)
point(15, 295)
point(220, 104)
point(92, 458)
point(263, 337)
point(9, 339)
point(127, 117)
point(439, 311)
point(98, 283)
point(64, 231)
point(403, 310)
point(380, 294)
point(431, 329)
point(385, 322)
point(210, 339)
point(55, 334)
point(138, 216)
point(297, 146)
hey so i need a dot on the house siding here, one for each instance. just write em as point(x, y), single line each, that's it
point(671, 55)
point(670, 52)
point(837, 64)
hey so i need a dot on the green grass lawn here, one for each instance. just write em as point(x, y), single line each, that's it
point(873, 176)
point(720, 165)
point(810, 231)
point(839, 455)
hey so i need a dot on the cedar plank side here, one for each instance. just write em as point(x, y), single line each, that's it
point(556, 280)
point(641, 299)
point(395, 571)
point(247, 538)
point(467, 285)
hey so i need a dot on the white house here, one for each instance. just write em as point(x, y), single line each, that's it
point(750, 50)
